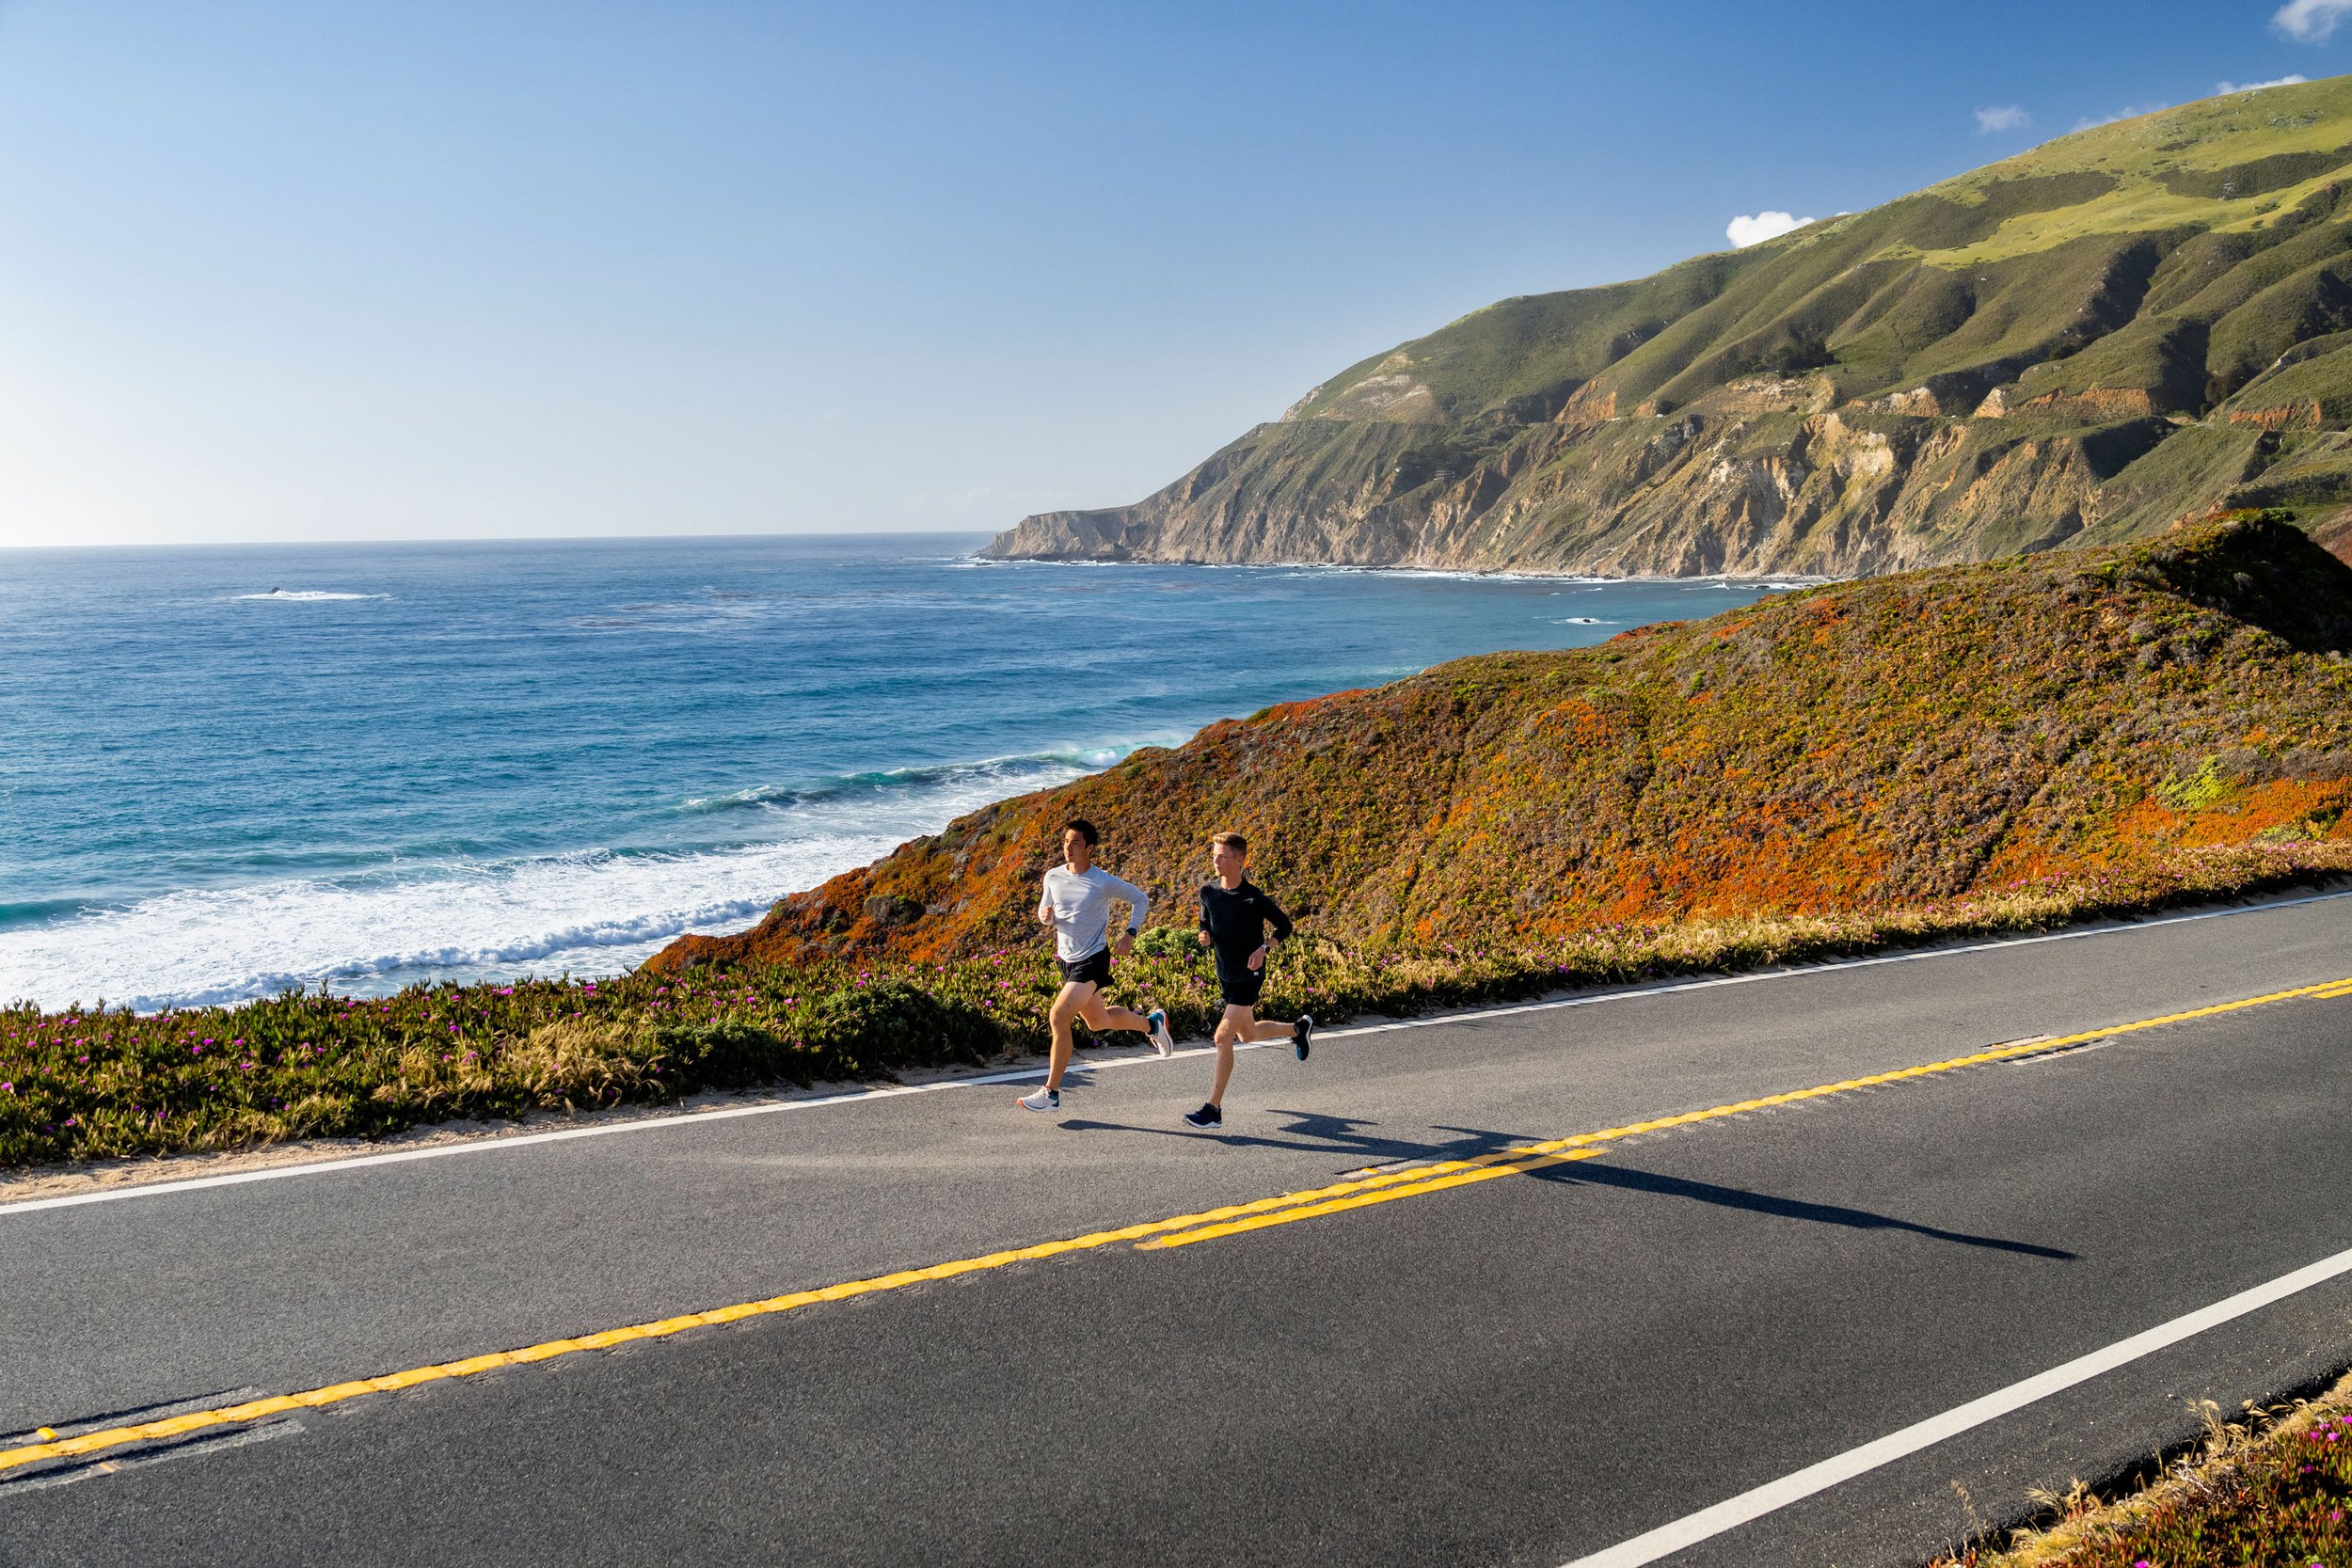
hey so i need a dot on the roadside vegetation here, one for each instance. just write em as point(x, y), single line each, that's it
point(2271, 1491)
point(86, 1083)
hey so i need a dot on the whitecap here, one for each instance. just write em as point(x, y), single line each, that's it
point(307, 595)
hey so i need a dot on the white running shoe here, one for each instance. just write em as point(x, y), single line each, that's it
point(1044, 1099)
point(1162, 1041)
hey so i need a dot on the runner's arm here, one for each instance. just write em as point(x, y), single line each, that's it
point(1139, 901)
point(1273, 912)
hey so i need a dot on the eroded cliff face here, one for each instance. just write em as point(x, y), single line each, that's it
point(1765, 476)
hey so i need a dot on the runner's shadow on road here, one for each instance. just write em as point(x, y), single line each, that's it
point(1312, 1133)
point(1592, 1172)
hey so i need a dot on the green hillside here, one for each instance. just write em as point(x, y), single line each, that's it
point(2082, 343)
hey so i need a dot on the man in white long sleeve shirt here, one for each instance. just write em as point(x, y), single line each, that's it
point(1077, 906)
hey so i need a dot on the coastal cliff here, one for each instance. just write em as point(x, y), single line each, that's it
point(1869, 745)
point(2080, 345)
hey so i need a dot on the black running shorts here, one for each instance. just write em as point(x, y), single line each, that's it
point(1092, 970)
point(1240, 985)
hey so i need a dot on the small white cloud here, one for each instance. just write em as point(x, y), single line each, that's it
point(2309, 20)
point(1744, 231)
point(2002, 117)
point(2287, 81)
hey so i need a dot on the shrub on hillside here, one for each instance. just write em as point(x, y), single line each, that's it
point(872, 1030)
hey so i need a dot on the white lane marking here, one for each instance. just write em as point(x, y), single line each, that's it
point(1734, 1511)
point(1015, 1075)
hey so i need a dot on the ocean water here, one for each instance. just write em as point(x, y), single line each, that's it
point(227, 771)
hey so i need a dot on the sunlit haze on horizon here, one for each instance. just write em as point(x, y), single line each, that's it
point(282, 273)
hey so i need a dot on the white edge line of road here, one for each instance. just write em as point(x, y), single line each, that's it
point(644, 1124)
point(1734, 1511)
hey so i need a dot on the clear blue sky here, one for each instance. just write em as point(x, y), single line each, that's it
point(416, 270)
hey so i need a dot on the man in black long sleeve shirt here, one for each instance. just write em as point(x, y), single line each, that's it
point(1234, 914)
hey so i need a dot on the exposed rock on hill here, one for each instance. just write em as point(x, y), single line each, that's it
point(1850, 747)
point(2078, 345)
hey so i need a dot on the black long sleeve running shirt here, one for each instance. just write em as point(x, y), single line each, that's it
point(1236, 921)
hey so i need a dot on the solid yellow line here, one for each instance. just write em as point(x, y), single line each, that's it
point(1333, 1206)
point(1533, 1156)
point(1182, 1230)
point(179, 1426)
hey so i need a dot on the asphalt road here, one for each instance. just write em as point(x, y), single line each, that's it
point(1524, 1370)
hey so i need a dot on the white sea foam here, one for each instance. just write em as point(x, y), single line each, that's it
point(1583, 621)
point(588, 915)
point(958, 780)
point(307, 595)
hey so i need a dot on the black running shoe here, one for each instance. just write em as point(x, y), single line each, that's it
point(1302, 1033)
point(1208, 1115)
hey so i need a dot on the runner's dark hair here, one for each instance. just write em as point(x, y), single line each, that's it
point(1085, 828)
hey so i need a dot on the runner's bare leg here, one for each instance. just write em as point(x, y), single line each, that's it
point(1241, 1024)
point(1104, 1016)
point(1074, 999)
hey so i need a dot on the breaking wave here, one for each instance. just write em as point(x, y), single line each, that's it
point(307, 595)
point(591, 913)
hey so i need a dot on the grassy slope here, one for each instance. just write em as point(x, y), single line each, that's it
point(1862, 746)
point(1896, 295)
point(2170, 279)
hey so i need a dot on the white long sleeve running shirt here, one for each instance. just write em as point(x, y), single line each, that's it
point(1080, 903)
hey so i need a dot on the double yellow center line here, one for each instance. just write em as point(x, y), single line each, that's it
point(1156, 1235)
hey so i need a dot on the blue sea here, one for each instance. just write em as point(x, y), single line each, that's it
point(225, 771)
